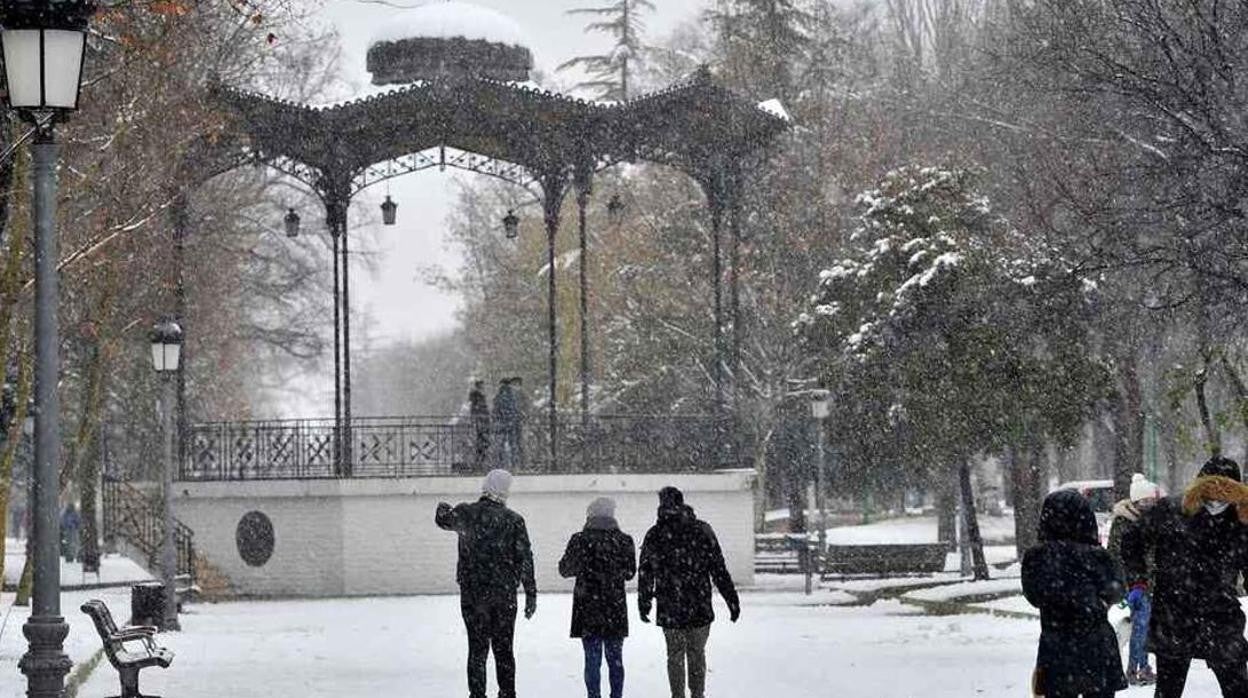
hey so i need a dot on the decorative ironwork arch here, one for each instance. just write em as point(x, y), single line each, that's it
point(512, 132)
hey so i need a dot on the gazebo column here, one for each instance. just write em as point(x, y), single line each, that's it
point(337, 199)
point(553, 186)
point(716, 204)
point(584, 189)
point(733, 196)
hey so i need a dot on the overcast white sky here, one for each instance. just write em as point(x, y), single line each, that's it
point(400, 304)
point(392, 302)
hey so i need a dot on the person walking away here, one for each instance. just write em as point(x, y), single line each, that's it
point(1198, 544)
point(1125, 515)
point(71, 528)
point(494, 559)
point(680, 558)
point(479, 414)
point(601, 557)
point(1074, 582)
point(506, 419)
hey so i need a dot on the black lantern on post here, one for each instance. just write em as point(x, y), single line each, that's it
point(615, 210)
point(388, 209)
point(292, 223)
point(511, 225)
point(44, 44)
point(166, 340)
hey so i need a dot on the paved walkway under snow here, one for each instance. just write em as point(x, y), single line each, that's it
point(414, 646)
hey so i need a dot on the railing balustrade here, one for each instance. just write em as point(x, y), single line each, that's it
point(445, 446)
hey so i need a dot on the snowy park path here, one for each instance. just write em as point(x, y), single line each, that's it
point(414, 646)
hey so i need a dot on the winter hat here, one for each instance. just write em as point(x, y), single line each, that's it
point(1141, 488)
point(1222, 466)
point(671, 499)
point(601, 508)
point(497, 486)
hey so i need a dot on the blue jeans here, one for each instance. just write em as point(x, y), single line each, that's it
point(593, 665)
point(1141, 611)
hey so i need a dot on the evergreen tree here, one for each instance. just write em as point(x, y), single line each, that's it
point(764, 43)
point(611, 74)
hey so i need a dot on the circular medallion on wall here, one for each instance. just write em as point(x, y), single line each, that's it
point(254, 537)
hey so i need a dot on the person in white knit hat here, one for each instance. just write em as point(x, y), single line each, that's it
point(1127, 514)
point(495, 558)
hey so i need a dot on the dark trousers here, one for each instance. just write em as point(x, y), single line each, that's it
point(687, 644)
point(491, 626)
point(1105, 694)
point(1172, 677)
point(594, 647)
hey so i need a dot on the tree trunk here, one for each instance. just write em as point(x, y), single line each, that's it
point(1213, 439)
point(12, 441)
point(946, 509)
point(1128, 421)
point(1025, 473)
point(978, 561)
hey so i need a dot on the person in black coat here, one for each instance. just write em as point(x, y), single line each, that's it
point(680, 557)
point(506, 425)
point(494, 559)
point(479, 413)
point(1074, 582)
point(1199, 548)
point(602, 558)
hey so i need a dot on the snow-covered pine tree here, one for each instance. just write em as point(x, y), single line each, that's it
point(764, 42)
point(611, 74)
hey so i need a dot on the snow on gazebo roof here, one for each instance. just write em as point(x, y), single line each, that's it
point(450, 20)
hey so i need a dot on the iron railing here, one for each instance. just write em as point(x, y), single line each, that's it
point(441, 446)
point(132, 515)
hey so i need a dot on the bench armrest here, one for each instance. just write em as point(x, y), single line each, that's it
point(135, 632)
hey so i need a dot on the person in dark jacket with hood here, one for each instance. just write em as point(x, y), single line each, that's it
point(602, 558)
point(494, 559)
point(1199, 547)
point(1073, 581)
point(680, 557)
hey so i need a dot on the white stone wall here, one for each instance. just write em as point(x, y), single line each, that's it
point(370, 537)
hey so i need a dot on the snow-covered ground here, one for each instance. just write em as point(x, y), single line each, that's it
point(414, 646)
point(114, 569)
point(915, 529)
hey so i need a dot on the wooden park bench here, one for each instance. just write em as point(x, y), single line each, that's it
point(885, 559)
point(779, 553)
point(141, 652)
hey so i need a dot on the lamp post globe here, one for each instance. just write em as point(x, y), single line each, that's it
point(292, 223)
point(166, 339)
point(388, 209)
point(511, 225)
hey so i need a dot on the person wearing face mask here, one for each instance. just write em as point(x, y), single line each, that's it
point(1199, 547)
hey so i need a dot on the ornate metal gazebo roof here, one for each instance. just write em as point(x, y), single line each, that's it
point(507, 130)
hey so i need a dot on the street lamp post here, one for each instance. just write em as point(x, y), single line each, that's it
point(166, 339)
point(44, 43)
point(820, 409)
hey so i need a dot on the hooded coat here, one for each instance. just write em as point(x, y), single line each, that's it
point(602, 558)
point(1197, 559)
point(680, 557)
point(1073, 581)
